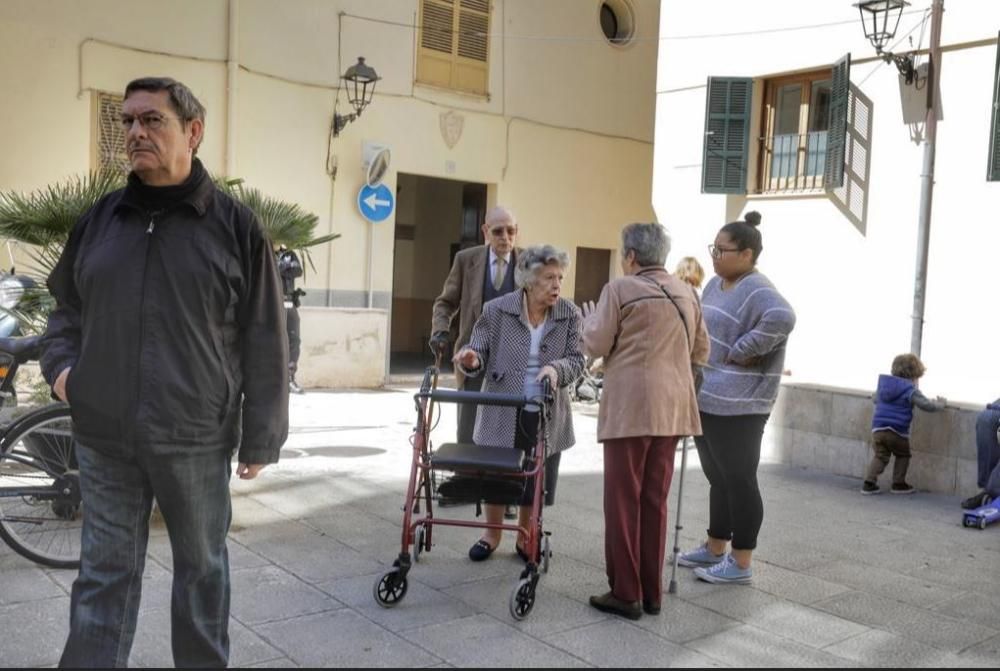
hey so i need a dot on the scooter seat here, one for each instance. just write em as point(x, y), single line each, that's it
point(27, 348)
point(477, 458)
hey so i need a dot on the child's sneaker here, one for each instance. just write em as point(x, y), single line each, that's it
point(868, 487)
point(700, 556)
point(901, 488)
point(726, 571)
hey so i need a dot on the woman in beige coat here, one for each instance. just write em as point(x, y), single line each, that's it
point(648, 327)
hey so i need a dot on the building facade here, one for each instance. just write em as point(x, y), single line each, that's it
point(547, 108)
point(788, 112)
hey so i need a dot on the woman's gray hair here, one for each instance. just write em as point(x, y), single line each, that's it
point(650, 243)
point(532, 259)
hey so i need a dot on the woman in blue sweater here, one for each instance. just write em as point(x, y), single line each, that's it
point(748, 323)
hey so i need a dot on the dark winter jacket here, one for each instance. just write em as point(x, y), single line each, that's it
point(173, 325)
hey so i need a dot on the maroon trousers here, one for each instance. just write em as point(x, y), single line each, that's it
point(637, 473)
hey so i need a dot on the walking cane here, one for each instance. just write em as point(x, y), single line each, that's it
point(672, 589)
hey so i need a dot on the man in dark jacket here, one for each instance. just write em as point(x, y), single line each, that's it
point(168, 342)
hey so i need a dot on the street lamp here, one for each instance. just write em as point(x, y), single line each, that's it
point(360, 84)
point(876, 18)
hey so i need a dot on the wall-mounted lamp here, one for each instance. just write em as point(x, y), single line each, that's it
point(360, 85)
point(880, 19)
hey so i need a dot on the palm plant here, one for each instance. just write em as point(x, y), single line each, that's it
point(43, 219)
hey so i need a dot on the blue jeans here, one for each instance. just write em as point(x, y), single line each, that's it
point(988, 451)
point(192, 492)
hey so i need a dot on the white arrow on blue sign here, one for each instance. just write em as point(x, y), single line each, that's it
point(375, 202)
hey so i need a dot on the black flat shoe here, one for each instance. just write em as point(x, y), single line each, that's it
point(481, 551)
point(607, 603)
point(650, 608)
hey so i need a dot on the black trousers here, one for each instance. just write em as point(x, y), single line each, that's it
point(729, 450)
point(294, 339)
point(467, 411)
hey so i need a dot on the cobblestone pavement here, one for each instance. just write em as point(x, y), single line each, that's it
point(840, 579)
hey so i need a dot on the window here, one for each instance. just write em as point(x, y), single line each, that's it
point(617, 21)
point(802, 141)
point(454, 45)
point(109, 138)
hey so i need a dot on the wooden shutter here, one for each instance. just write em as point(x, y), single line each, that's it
point(993, 169)
point(454, 44)
point(836, 142)
point(727, 135)
point(109, 137)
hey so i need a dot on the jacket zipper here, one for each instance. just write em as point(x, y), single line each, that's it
point(142, 325)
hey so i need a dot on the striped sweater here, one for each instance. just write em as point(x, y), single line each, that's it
point(748, 325)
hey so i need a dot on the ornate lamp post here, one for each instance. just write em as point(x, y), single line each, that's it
point(360, 81)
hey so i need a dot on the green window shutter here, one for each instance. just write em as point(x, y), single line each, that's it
point(993, 170)
point(836, 141)
point(727, 135)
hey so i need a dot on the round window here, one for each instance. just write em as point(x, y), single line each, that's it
point(617, 21)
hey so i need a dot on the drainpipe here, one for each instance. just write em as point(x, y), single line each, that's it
point(927, 180)
point(232, 73)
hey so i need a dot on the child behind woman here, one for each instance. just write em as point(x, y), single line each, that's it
point(894, 400)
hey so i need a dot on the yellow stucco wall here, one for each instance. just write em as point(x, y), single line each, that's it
point(564, 138)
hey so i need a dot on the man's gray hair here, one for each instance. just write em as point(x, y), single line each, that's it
point(533, 259)
point(498, 215)
point(650, 243)
point(187, 106)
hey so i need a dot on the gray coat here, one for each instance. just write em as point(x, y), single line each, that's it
point(502, 340)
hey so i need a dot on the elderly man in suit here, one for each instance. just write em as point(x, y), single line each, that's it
point(478, 274)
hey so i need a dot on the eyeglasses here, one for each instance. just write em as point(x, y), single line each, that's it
point(716, 252)
point(149, 121)
point(511, 231)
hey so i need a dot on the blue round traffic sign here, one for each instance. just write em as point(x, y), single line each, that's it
point(375, 202)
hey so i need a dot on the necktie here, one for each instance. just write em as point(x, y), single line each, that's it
point(498, 274)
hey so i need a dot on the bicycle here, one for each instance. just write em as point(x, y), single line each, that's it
point(41, 513)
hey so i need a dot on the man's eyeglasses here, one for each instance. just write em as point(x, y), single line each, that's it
point(716, 252)
point(511, 231)
point(149, 121)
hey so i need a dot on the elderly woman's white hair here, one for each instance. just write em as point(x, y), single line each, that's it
point(533, 259)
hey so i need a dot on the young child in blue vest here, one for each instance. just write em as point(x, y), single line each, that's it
point(895, 397)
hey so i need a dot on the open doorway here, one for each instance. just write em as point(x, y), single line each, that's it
point(435, 218)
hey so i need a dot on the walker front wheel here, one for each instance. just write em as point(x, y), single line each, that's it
point(522, 598)
point(390, 589)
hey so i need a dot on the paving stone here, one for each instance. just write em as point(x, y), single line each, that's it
point(985, 654)
point(935, 629)
point(681, 621)
point(973, 607)
point(792, 585)
point(27, 583)
point(748, 646)
point(343, 639)
point(796, 622)
point(876, 648)
point(421, 606)
point(309, 555)
point(152, 643)
point(614, 643)
point(885, 582)
point(473, 642)
point(551, 613)
point(34, 632)
point(270, 593)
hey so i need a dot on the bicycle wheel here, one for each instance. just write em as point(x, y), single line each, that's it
point(41, 515)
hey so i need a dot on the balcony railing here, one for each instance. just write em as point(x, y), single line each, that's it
point(793, 162)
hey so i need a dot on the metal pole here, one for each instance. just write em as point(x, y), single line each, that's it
point(371, 261)
point(927, 180)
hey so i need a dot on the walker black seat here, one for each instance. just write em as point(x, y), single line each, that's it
point(477, 458)
point(26, 348)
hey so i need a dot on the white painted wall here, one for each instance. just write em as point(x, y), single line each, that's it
point(853, 292)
